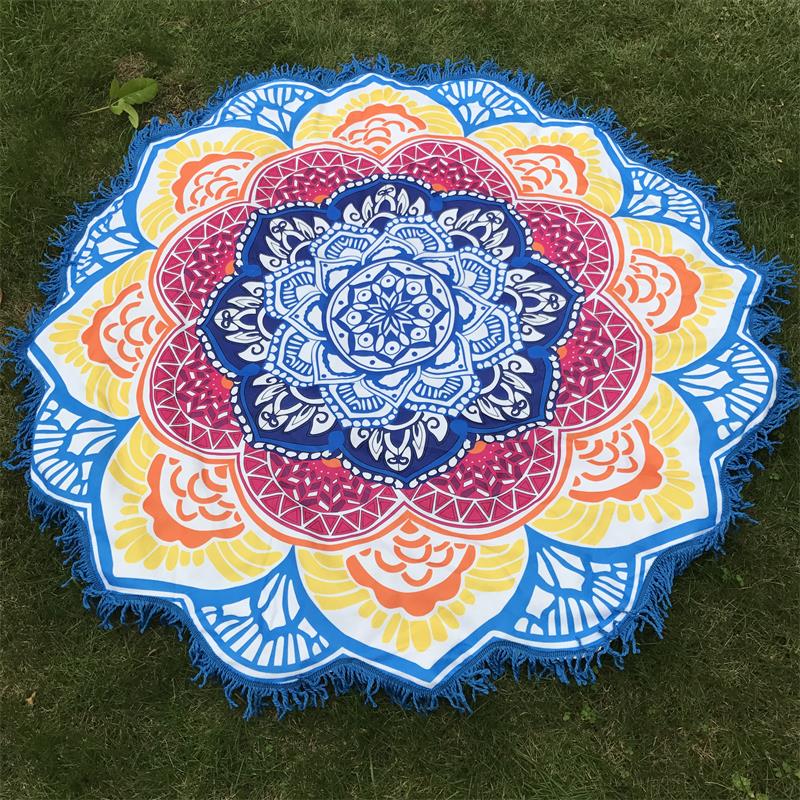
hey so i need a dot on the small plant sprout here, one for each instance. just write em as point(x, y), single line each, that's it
point(124, 96)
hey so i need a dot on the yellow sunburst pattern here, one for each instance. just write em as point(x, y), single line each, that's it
point(102, 340)
point(626, 482)
point(565, 162)
point(198, 173)
point(181, 517)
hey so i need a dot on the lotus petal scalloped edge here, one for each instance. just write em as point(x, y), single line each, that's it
point(395, 379)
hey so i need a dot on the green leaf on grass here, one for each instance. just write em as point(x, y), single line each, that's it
point(122, 106)
point(138, 90)
point(126, 95)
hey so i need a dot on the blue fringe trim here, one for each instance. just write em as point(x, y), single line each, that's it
point(477, 676)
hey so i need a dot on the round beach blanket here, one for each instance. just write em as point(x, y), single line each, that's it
point(395, 379)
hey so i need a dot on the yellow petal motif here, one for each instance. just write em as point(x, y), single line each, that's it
point(377, 119)
point(330, 579)
point(104, 339)
point(632, 480)
point(679, 293)
point(563, 162)
point(197, 528)
point(199, 172)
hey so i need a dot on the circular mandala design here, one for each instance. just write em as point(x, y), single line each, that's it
point(392, 333)
point(386, 380)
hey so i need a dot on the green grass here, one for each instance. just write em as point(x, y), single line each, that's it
point(709, 712)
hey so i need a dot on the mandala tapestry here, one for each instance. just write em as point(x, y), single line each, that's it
point(393, 380)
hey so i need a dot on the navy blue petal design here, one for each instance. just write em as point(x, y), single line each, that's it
point(233, 326)
point(287, 418)
point(376, 202)
point(474, 221)
point(279, 237)
point(517, 393)
point(413, 446)
point(547, 301)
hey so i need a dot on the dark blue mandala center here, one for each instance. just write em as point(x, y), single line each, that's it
point(391, 326)
point(390, 315)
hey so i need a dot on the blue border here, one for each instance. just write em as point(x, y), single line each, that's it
point(476, 676)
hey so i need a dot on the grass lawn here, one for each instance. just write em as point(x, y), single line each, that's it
point(709, 712)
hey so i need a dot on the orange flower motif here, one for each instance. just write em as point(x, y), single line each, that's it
point(621, 466)
point(212, 178)
point(415, 574)
point(553, 167)
point(376, 126)
point(189, 507)
point(120, 333)
point(662, 287)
